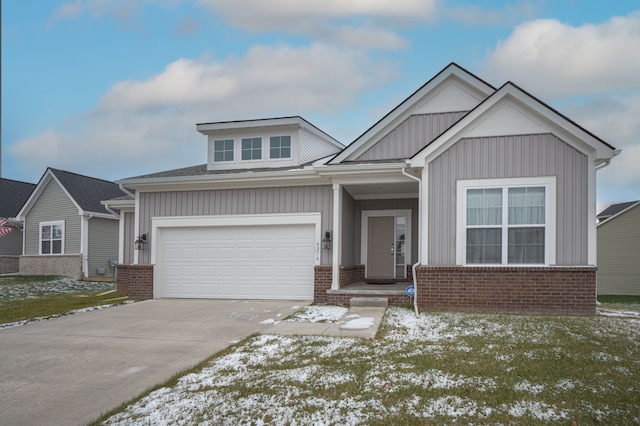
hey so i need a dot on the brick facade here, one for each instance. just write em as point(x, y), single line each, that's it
point(9, 264)
point(533, 290)
point(135, 281)
point(64, 265)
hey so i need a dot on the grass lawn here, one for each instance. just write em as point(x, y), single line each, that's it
point(26, 298)
point(437, 368)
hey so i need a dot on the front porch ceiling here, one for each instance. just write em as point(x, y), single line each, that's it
point(383, 190)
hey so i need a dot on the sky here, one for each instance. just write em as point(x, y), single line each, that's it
point(114, 88)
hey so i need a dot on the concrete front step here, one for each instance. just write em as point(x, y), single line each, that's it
point(369, 302)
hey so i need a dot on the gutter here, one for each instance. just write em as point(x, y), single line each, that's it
point(415, 265)
point(607, 162)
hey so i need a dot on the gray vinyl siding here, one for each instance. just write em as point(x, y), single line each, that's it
point(411, 136)
point(102, 244)
point(348, 227)
point(129, 237)
point(506, 157)
point(302, 199)
point(312, 148)
point(53, 204)
point(11, 244)
point(619, 254)
point(393, 204)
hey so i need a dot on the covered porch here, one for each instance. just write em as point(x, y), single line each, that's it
point(375, 237)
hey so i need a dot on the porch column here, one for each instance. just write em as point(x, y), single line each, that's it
point(336, 236)
point(423, 221)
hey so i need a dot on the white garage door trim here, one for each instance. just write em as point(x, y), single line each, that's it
point(160, 223)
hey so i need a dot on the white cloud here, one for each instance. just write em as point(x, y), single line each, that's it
point(146, 126)
point(553, 60)
point(615, 119)
point(478, 15)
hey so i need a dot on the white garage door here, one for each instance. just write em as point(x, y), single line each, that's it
point(238, 262)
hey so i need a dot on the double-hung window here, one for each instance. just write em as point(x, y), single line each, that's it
point(506, 225)
point(52, 237)
point(223, 150)
point(280, 147)
point(251, 149)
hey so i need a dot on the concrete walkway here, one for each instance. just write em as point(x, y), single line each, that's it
point(69, 370)
point(348, 326)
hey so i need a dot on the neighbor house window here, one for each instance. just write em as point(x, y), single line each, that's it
point(52, 237)
point(280, 147)
point(223, 150)
point(505, 225)
point(251, 149)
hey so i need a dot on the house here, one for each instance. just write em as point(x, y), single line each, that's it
point(13, 194)
point(67, 231)
point(482, 197)
point(619, 249)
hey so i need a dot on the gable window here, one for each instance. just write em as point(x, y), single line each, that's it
point(52, 237)
point(506, 225)
point(251, 149)
point(223, 150)
point(280, 147)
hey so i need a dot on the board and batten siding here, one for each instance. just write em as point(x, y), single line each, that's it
point(619, 254)
point(244, 201)
point(102, 245)
point(410, 136)
point(129, 237)
point(510, 157)
point(53, 204)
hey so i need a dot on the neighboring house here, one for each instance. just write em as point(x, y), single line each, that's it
point(483, 197)
point(67, 231)
point(13, 194)
point(619, 249)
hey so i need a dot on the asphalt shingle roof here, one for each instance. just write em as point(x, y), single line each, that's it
point(13, 195)
point(87, 191)
point(614, 209)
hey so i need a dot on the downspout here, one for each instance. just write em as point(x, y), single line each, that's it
point(110, 210)
point(607, 162)
point(126, 191)
point(415, 265)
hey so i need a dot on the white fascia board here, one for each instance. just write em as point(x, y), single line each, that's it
point(294, 177)
point(205, 128)
point(632, 206)
point(560, 126)
point(330, 169)
point(35, 195)
point(402, 111)
point(119, 204)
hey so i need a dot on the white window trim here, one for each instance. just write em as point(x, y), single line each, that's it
point(290, 148)
point(59, 223)
point(364, 233)
point(549, 182)
point(235, 151)
point(259, 160)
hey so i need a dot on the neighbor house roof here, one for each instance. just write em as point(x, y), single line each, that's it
point(85, 191)
point(615, 210)
point(13, 195)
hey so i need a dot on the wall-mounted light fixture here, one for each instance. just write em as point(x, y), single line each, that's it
point(141, 241)
point(326, 241)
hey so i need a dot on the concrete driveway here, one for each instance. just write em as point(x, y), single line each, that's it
point(69, 370)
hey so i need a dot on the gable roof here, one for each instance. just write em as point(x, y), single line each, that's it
point(84, 191)
point(452, 72)
point(13, 195)
point(615, 210)
point(537, 116)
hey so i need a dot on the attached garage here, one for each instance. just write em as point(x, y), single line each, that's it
point(236, 257)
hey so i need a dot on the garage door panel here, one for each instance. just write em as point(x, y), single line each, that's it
point(266, 262)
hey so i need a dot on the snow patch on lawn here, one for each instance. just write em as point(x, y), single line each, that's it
point(318, 313)
point(359, 323)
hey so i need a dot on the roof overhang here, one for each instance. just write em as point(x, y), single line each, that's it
point(540, 118)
